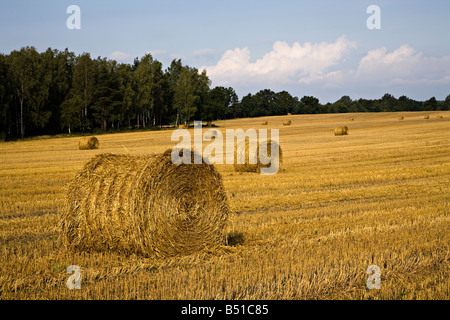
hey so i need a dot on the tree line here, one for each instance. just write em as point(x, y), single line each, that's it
point(56, 92)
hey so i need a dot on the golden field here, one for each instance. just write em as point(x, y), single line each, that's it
point(379, 196)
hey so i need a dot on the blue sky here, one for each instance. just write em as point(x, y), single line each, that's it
point(321, 48)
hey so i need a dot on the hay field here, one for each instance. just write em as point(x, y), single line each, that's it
point(379, 196)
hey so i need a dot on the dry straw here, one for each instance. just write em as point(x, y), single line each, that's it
point(287, 123)
point(251, 151)
point(341, 131)
point(87, 143)
point(146, 205)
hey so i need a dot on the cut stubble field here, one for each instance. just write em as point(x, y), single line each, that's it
point(378, 196)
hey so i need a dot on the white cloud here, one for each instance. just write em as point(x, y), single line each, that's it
point(320, 66)
point(120, 56)
point(283, 63)
point(381, 68)
point(403, 65)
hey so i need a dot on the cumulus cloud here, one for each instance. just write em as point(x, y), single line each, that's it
point(381, 68)
point(283, 63)
point(319, 66)
point(403, 65)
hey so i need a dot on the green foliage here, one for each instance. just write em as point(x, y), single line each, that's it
point(70, 113)
point(446, 104)
point(5, 98)
point(285, 103)
point(311, 104)
point(430, 105)
point(190, 91)
point(220, 102)
point(84, 85)
point(30, 79)
point(125, 78)
point(107, 95)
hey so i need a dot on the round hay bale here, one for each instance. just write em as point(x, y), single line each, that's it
point(265, 123)
point(145, 205)
point(401, 118)
point(289, 114)
point(440, 117)
point(252, 152)
point(287, 123)
point(426, 117)
point(87, 143)
point(341, 131)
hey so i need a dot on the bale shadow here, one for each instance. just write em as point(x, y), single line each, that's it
point(235, 238)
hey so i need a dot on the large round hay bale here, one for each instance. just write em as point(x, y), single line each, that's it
point(426, 117)
point(401, 118)
point(87, 143)
point(251, 151)
point(265, 123)
point(287, 123)
point(146, 205)
point(341, 131)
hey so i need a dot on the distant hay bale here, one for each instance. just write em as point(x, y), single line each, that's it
point(251, 151)
point(287, 123)
point(183, 126)
point(289, 114)
point(265, 123)
point(341, 131)
point(87, 143)
point(401, 118)
point(440, 117)
point(146, 205)
point(426, 117)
